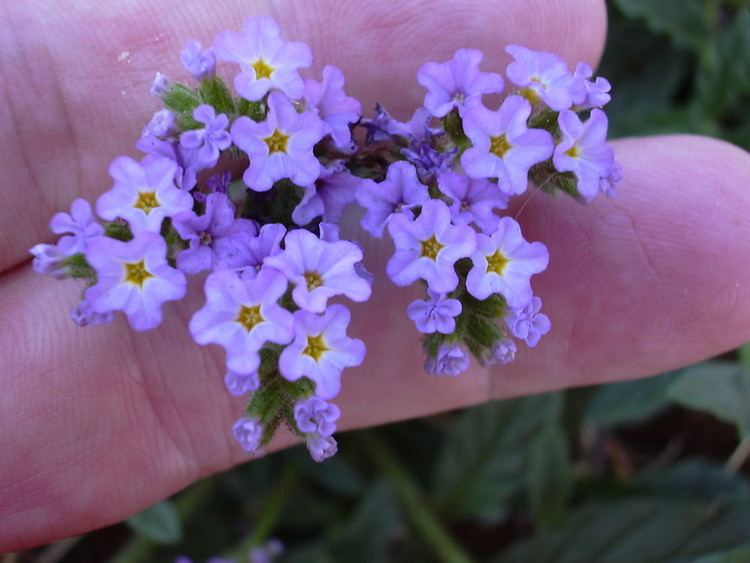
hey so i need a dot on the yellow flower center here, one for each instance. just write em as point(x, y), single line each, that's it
point(147, 201)
point(316, 347)
point(497, 262)
point(573, 152)
point(431, 247)
point(136, 273)
point(313, 280)
point(248, 317)
point(262, 69)
point(499, 145)
point(276, 142)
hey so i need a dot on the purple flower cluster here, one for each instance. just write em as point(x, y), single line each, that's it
point(460, 161)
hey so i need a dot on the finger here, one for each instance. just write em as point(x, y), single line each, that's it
point(76, 79)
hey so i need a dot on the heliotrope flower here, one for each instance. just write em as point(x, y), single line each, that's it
point(527, 323)
point(162, 124)
point(428, 160)
point(77, 227)
point(321, 350)
point(209, 141)
point(504, 351)
point(320, 270)
point(133, 277)
point(449, 360)
point(267, 61)
point(248, 432)
point(82, 315)
point(242, 315)
point(321, 447)
point(608, 184)
point(541, 76)
point(218, 183)
point(329, 196)
point(474, 200)
point(398, 193)
point(198, 61)
point(588, 93)
point(503, 147)
point(457, 83)
point(144, 193)
point(428, 247)
point(334, 107)
point(214, 238)
point(314, 415)
point(281, 146)
point(160, 85)
point(239, 384)
point(255, 250)
point(49, 260)
point(504, 263)
point(584, 150)
point(437, 314)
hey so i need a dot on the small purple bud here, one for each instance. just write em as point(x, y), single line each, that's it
point(160, 85)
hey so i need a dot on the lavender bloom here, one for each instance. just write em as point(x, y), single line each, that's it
point(457, 83)
point(314, 415)
point(450, 360)
point(427, 248)
point(199, 62)
point(162, 124)
point(527, 323)
point(83, 315)
point(503, 352)
point(378, 126)
point(608, 184)
point(160, 85)
point(429, 161)
point(266, 60)
point(503, 146)
point(188, 161)
point(584, 150)
point(217, 183)
point(242, 315)
point(474, 201)
point(48, 259)
point(255, 250)
point(541, 76)
point(321, 447)
point(209, 141)
point(266, 553)
point(504, 264)
point(398, 193)
point(133, 277)
point(334, 107)
point(281, 146)
point(214, 236)
point(248, 432)
point(588, 94)
point(320, 270)
point(321, 350)
point(144, 194)
point(79, 228)
point(239, 384)
point(437, 314)
point(329, 196)
point(329, 232)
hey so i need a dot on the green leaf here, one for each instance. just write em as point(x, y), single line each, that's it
point(181, 99)
point(484, 456)
point(159, 523)
point(214, 92)
point(736, 555)
point(629, 401)
point(685, 21)
point(722, 389)
point(550, 476)
point(693, 479)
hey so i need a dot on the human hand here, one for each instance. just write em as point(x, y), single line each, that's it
point(99, 423)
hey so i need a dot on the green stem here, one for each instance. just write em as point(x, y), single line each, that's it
point(420, 512)
point(739, 456)
point(744, 356)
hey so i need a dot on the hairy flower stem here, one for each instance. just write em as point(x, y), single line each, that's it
point(739, 456)
point(420, 512)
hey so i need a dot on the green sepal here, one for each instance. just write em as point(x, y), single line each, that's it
point(181, 100)
point(254, 110)
point(119, 231)
point(493, 307)
point(78, 267)
point(214, 92)
point(482, 330)
point(454, 128)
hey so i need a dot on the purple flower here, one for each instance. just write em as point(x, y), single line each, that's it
point(82, 315)
point(527, 323)
point(242, 315)
point(427, 248)
point(429, 161)
point(588, 94)
point(48, 259)
point(281, 146)
point(209, 141)
point(541, 76)
point(503, 146)
point(437, 314)
point(187, 161)
point(329, 196)
point(133, 277)
point(217, 183)
point(198, 61)
point(266, 60)
point(214, 237)
point(321, 447)
point(248, 432)
point(321, 350)
point(162, 124)
point(457, 83)
point(266, 553)
point(584, 150)
point(144, 193)
point(320, 270)
point(503, 352)
point(504, 264)
point(239, 384)
point(608, 184)
point(335, 108)
point(160, 85)
point(474, 201)
point(450, 360)
point(398, 193)
point(314, 415)
point(78, 228)
point(254, 251)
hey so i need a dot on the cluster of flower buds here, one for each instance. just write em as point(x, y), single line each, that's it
point(454, 166)
point(247, 190)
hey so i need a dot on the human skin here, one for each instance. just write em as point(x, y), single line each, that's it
point(99, 423)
